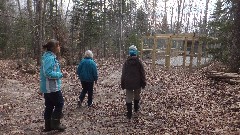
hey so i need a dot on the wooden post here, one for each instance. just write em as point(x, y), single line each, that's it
point(199, 58)
point(192, 53)
point(154, 53)
point(206, 52)
point(167, 53)
point(185, 52)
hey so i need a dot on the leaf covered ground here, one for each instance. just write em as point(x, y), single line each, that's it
point(174, 102)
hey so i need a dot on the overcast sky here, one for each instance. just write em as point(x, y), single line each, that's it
point(197, 8)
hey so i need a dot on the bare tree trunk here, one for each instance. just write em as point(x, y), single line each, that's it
point(235, 48)
point(31, 26)
point(178, 17)
point(183, 6)
point(51, 17)
point(67, 10)
point(154, 14)
point(187, 27)
point(39, 29)
point(18, 54)
point(165, 22)
point(120, 29)
point(205, 18)
point(44, 18)
point(19, 7)
point(104, 29)
point(172, 20)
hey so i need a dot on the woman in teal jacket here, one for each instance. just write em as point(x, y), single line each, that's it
point(87, 73)
point(50, 86)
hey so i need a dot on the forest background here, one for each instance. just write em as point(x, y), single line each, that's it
point(175, 101)
point(108, 27)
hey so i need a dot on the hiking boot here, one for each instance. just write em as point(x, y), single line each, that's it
point(47, 125)
point(56, 125)
point(129, 110)
point(136, 105)
point(90, 105)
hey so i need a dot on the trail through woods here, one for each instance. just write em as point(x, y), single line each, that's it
point(174, 102)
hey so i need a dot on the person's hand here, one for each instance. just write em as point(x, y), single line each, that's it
point(65, 74)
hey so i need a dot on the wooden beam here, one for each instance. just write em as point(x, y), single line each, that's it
point(168, 53)
point(192, 53)
point(154, 53)
point(199, 56)
point(185, 52)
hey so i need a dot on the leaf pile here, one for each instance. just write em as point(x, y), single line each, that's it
point(174, 102)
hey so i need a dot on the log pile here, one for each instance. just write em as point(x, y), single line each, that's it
point(231, 78)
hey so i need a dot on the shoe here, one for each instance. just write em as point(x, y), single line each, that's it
point(136, 105)
point(56, 125)
point(129, 110)
point(90, 105)
point(47, 125)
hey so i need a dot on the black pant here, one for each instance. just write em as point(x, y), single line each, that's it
point(53, 105)
point(87, 88)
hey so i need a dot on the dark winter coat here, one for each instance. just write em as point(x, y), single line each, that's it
point(133, 74)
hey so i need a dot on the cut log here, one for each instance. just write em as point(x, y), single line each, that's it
point(234, 81)
point(231, 75)
point(232, 78)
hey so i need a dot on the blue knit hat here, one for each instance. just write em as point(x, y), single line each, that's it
point(133, 50)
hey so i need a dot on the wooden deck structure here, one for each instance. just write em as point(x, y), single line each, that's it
point(184, 38)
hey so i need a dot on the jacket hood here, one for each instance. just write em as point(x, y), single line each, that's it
point(132, 60)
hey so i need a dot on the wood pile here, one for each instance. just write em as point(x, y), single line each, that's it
point(231, 78)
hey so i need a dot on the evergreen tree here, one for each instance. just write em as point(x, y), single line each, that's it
point(86, 20)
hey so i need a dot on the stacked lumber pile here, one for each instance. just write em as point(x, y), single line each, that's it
point(232, 78)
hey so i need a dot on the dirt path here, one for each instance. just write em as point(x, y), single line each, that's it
point(19, 108)
point(25, 108)
point(22, 109)
point(174, 102)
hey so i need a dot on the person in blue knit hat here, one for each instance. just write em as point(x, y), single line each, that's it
point(133, 79)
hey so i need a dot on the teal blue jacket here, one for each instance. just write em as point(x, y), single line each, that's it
point(87, 70)
point(50, 73)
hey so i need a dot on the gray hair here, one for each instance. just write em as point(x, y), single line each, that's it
point(88, 53)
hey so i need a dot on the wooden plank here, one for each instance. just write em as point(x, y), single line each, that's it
point(199, 57)
point(224, 76)
point(147, 37)
point(154, 54)
point(185, 52)
point(233, 81)
point(168, 51)
point(213, 71)
point(231, 75)
point(152, 49)
point(192, 53)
